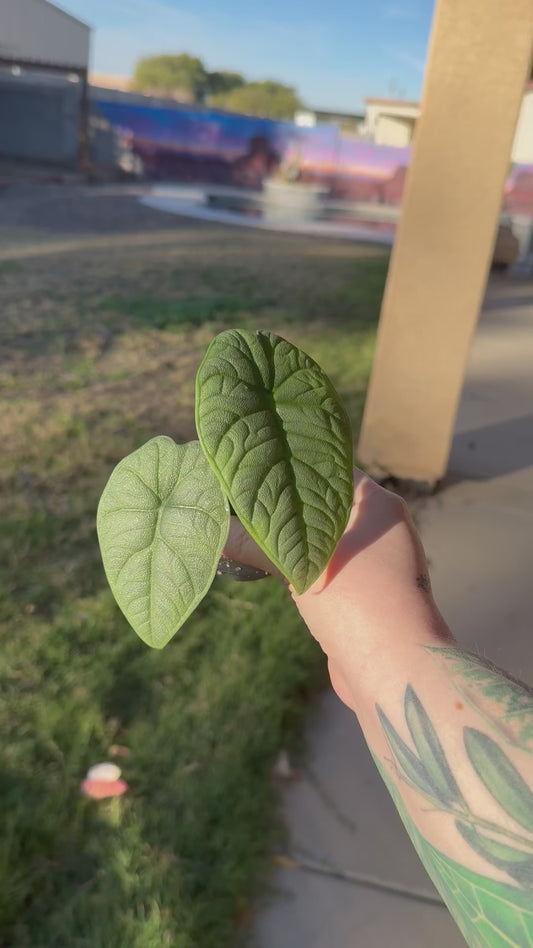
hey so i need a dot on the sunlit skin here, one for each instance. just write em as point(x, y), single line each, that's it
point(393, 660)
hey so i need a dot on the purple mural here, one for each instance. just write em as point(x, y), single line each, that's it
point(190, 144)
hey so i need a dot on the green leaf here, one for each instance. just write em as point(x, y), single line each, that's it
point(430, 751)
point(162, 523)
point(515, 862)
point(500, 776)
point(279, 440)
point(411, 767)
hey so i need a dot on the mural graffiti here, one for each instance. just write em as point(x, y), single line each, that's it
point(190, 144)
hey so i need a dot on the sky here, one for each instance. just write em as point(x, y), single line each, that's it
point(334, 53)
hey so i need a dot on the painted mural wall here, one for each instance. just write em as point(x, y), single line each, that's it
point(190, 144)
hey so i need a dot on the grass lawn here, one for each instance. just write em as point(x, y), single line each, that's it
point(99, 344)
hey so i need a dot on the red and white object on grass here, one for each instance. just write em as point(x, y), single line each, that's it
point(103, 781)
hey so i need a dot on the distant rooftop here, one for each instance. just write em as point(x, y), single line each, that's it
point(59, 8)
point(39, 33)
point(396, 103)
point(334, 113)
point(105, 81)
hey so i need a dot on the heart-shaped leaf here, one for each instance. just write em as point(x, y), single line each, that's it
point(162, 523)
point(277, 436)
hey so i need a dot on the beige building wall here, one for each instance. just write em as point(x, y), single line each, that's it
point(389, 124)
point(390, 121)
point(390, 130)
point(522, 152)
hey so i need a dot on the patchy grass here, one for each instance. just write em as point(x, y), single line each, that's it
point(99, 350)
point(8, 268)
point(174, 314)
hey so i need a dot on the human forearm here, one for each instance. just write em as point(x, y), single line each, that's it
point(453, 749)
point(452, 737)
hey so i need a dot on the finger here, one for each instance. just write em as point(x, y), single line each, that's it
point(240, 547)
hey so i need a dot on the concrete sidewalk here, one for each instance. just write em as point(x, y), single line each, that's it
point(478, 535)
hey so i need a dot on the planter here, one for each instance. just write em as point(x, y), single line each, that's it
point(285, 201)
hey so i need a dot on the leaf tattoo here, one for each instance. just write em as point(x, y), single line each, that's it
point(515, 862)
point(500, 776)
point(430, 750)
point(505, 703)
point(490, 913)
point(427, 770)
point(411, 766)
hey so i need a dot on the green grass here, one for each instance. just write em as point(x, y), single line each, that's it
point(172, 862)
point(173, 314)
point(9, 268)
point(179, 859)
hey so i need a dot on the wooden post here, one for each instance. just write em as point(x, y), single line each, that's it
point(83, 128)
point(477, 68)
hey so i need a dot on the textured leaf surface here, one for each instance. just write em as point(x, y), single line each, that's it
point(162, 523)
point(279, 440)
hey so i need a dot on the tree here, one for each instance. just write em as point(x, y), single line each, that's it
point(181, 76)
point(269, 99)
point(224, 82)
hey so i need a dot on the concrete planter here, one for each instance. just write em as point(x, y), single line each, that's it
point(285, 201)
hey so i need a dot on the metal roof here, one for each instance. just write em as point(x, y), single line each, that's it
point(38, 32)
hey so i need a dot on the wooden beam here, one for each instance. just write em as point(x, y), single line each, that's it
point(83, 127)
point(478, 64)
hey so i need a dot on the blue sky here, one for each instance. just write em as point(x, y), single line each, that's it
point(335, 53)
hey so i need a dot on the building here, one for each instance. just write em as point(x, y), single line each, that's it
point(393, 122)
point(390, 121)
point(36, 32)
point(347, 122)
point(44, 58)
point(522, 153)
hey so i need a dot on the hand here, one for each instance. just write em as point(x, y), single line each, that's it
point(375, 588)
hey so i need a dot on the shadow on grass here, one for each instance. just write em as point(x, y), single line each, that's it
point(174, 314)
point(175, 860)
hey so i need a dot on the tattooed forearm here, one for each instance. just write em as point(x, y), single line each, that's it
point(505, 703)
point(495, 908)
